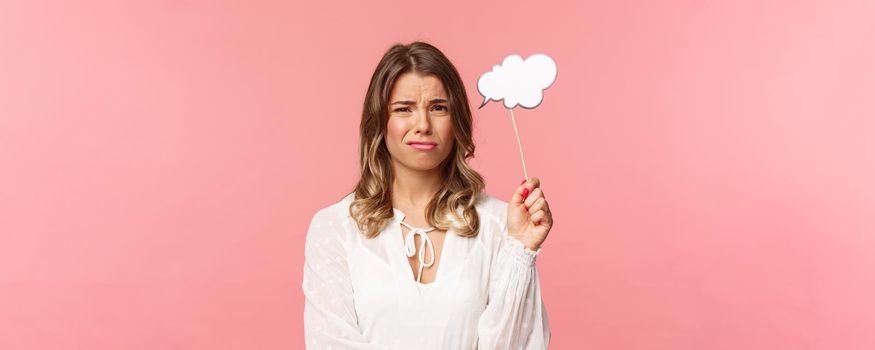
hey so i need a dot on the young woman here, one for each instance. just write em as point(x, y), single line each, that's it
point(418, 256)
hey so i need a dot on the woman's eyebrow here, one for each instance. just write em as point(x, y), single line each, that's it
point(408, 102)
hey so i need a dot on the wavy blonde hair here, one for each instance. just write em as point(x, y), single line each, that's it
point(372, 205)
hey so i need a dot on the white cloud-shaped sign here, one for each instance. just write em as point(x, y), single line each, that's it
point(517, 81)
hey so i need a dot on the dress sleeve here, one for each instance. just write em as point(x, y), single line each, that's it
point(515, 316)
point(330, 320)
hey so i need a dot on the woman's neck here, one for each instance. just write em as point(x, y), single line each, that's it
point(413, 188)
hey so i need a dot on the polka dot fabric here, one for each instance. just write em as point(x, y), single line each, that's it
point(362, 294)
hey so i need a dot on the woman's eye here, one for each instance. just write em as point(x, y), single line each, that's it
point(440, 108)
point(401, 109)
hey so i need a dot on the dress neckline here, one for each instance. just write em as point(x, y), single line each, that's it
point(438, 277)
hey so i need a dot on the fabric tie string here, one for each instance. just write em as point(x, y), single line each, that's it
point(410, 246)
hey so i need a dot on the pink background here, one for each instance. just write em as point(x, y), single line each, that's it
point(710, 165)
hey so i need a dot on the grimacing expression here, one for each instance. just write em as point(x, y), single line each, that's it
point(419, 112)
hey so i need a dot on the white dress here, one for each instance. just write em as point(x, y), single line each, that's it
point(362, 293)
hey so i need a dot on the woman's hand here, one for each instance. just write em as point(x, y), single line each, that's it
point(528, 216)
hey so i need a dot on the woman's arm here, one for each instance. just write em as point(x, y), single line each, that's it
point(515, 316)
point(329, 313)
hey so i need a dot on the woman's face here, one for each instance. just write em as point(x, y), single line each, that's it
point(419, 112)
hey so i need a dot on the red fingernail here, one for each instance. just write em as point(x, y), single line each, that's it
point(525, 193)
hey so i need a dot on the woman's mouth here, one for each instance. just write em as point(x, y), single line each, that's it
point(423, 146)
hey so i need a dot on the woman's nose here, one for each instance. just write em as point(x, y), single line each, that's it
point(423, 124)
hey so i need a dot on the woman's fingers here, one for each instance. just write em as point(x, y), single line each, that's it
point(539, 204)
point(531, 185)
point(538, 216)
point(537, 193)
point(519, 196)
point(524, 191)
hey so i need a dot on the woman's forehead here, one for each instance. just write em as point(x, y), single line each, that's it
point(413, 85)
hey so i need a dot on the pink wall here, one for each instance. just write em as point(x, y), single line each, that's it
point(709, 165)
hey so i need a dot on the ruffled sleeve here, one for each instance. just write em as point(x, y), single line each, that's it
point(329, 312)
point(515, 316)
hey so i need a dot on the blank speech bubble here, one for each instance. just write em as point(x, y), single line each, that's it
point(517, 81)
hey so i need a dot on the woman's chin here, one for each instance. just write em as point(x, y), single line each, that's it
point(425, 167)
point(421, 163)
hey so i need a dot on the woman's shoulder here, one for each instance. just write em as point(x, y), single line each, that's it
point(491, 208)
point(493, 220)
point(335, 211)
point(329, 223)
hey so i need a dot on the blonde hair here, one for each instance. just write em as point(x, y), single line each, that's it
point(371, 208)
